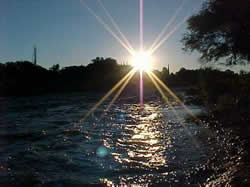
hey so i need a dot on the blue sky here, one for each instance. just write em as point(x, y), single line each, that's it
point(66, 33)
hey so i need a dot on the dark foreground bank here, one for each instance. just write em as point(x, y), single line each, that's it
point(234, 170)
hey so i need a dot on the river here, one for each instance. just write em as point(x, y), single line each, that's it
point(44, 142)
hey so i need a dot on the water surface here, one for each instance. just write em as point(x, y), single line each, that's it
point(44, 142)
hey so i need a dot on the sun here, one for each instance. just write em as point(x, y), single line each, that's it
point(142, 61)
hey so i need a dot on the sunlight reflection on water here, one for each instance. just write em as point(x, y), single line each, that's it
point(130, 145)
point(144, 145)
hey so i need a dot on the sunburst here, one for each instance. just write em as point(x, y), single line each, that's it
point(142, 60)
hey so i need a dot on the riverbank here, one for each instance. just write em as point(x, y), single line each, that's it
point(234, 168)
point(46, 144)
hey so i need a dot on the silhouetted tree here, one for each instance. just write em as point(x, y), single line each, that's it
point(165, 71)
point(55, 68)
point(221, 30)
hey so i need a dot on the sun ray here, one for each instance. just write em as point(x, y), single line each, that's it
point(106, 96)
point(115, 25)
point(118, 93)
point(99, 19)
point(158, 88)
point(141, 88)
point(127, 46)
point(141, 24)
point(172, 19)
point(195, 142)
point(168, 35)
point(174, 96)
point(163, 95)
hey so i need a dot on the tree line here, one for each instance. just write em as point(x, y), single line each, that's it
point(25, 78)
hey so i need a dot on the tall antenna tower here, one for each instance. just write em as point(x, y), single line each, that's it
point(35, 55)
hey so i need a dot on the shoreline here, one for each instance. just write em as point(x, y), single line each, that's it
point(234, 169)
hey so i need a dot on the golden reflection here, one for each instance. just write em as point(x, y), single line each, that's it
point(107, 182)
point(145, 144)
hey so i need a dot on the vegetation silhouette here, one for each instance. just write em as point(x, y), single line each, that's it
point(220, 31)
point(207, 86)
point(22, 78)
point(221, 91)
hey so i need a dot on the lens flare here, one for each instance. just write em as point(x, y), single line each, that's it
point(116, 25)
point(168, 35)
point(142, 61)
point(121, 82)
point(141, 23)
point(118, 93)
point(101, 152)
point(172, 19)
point(153, 79)
point(106, 27)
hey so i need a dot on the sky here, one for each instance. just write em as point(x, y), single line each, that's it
point(66, 33)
